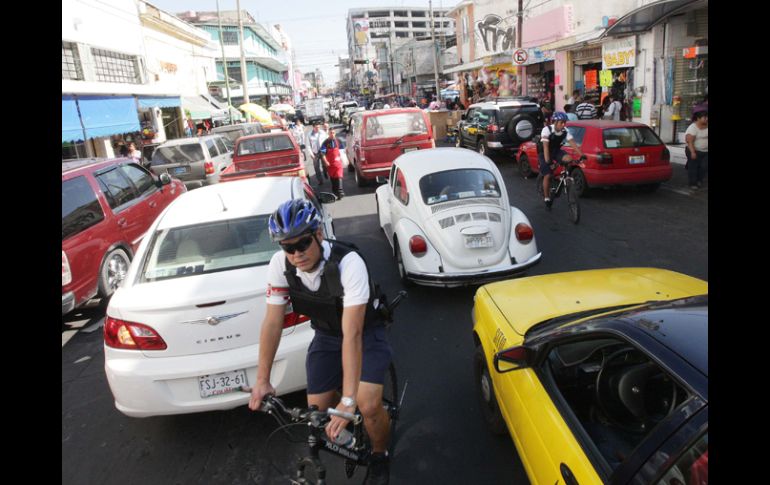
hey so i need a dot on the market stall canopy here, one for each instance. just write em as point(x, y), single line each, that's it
point(282, 108)
point(159, 102)
point(256, 111)
point(201, 108)
point(644, 18)
point(98, 116)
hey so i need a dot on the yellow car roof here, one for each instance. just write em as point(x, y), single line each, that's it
point(527, 301)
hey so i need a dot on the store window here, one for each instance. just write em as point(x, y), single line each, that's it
point(70, 62)
point(115, 67)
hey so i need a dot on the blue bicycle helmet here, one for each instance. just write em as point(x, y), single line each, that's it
point(293, 218)
point(559, 116)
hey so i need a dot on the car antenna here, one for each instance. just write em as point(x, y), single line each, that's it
point(224, 207)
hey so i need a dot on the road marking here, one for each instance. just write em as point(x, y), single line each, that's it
point(67, 335)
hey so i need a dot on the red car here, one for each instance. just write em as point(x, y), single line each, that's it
point(376, 138)
point(619, 153)
point(266, 154)
point(107, 207)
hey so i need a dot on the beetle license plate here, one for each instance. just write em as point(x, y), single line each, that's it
point(473, 242)
point(636, 160)
point(216, 384)
point(180, 170)
point(410, 149)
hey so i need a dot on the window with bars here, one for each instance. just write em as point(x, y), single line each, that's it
point(70, 62)
point(116, 67)
point(230, 37)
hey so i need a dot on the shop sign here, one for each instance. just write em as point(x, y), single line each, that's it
point(693, 52)
point(536, 56)
point(619, 53)
point(590, 79)
point(637, 108)
point(605, 78)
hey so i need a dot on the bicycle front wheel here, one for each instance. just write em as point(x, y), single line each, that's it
point(572, 200)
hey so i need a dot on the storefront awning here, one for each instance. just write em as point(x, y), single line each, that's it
point(107, 115)
point(644, 18)
point(159, 101)
point(199, 107)
point(71, 128)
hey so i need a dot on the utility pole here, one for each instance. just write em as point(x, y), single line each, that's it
point(390, 55)
point(244, 69)
point(224, 63)
point(519, 14)
point(435, 54)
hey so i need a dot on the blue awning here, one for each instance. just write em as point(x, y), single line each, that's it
point(70, 120)
point(108, 115)
point(160, 102)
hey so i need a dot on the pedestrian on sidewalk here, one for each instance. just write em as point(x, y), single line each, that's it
point(315, 139)
point(697, 138)
point(330, 154)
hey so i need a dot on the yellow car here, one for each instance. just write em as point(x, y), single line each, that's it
point(599, 376)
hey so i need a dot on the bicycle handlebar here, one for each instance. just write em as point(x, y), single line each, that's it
point(316, 417)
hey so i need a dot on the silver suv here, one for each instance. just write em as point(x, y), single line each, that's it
point(195, 161)
point(503, 124)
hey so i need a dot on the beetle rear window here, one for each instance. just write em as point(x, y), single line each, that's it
point(262, 145)
point(458, 184)
point(630, 137)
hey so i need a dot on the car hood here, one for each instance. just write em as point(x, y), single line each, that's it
point(525, 302)
point(182, 310)
point(448, 228)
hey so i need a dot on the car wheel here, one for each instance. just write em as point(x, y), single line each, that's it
point(351, 167)
point(581, 186)
point(524, 169)
point(486, 392)
point(481, 147)
point(458, 140)
point(113, 272)
point(521, 128)
point(400, 265)
point(360, 181)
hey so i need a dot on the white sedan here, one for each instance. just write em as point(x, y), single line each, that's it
point(182, 333)
point(446, 214)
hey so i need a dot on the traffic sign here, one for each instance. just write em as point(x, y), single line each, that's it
point(520, 56)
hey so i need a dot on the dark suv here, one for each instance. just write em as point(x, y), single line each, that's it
point(499, 125)
point(107, 207)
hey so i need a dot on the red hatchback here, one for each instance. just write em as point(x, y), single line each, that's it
point(378, 137)
point(619, 153)
point(107, 207)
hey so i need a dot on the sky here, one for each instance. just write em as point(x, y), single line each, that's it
point(316, 28)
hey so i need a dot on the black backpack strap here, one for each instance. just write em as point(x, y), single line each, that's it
point(291, 276)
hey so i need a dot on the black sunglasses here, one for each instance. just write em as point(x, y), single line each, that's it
point(300, 245)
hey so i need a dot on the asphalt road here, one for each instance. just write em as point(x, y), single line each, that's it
point(442, 438)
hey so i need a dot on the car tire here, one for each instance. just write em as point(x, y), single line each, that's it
point(581, 186)
point(524, 168)
point(486, 392)
point(521, 128)
point(481, 147)
point(360, 181)
point(400, 265)
point(458, 140)
point(351, 167)
point(113, 272)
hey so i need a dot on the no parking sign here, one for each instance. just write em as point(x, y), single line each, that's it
point(520, 56)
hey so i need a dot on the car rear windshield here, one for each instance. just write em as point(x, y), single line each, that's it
point(630, 137)
point(80, 208)
point(458, 184)
point(261, 145)
point(187, 153)
point(395, 125)
point(208, 248)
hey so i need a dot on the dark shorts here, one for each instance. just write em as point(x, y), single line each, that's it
point(545, 168)
point(324, 360)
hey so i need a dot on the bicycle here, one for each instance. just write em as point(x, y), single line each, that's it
point(358, 450)
point(563, 180)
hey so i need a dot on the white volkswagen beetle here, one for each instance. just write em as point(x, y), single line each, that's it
point(446, 214)
point(182, 333)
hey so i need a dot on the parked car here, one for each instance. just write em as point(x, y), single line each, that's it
point(266, 155)
point(107, 207)
point(448, 219)
point(344, 106)
point(349, 111)
point(197, 161)
point(182, 334)
point(499, 125)
point(619, 153)
point(381, 136)
point(599, 376)
point(233, 132)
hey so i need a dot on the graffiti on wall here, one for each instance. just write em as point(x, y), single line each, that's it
point(495, 35)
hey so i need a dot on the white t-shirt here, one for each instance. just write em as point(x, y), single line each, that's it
point(613, 111)
point(353, 275)
point(701, 141)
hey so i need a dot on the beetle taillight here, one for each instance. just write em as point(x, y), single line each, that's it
point(418, 246)
point(120, 334)
point(524, 233)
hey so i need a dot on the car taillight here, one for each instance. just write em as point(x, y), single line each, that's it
point(418, 246)
point(119, 334)
point(291, 319)
point(493, 128)
point(604, 158)
point(66, 274)
point(666, 156)
point(524, 233)
point(209, 167)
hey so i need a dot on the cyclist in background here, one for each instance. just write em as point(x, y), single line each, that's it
point(329, 282)
point(550, 151)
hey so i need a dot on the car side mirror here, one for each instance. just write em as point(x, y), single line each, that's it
point(463, 116)
point(164, 179)
point(512, 358)
point(326, 197)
